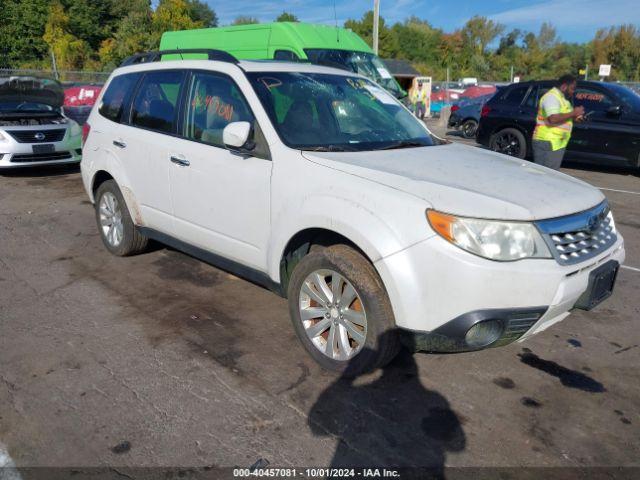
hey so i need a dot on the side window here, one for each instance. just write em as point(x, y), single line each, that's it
point(592, 99)
point(117, 96)
point(533, 100)
point(286, 55)
point(213, 102)
point(514, 96)
point(155, 104)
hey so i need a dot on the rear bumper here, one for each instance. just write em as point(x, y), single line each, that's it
point(483, 134)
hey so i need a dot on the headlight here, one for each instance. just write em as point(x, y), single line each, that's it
point(76, 129)
point(495, 240)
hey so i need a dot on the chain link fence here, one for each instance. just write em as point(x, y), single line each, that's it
point(66, 77)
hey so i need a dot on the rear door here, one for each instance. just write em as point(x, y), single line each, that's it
point(221, 199)
point(147, 137)
point(605, 136)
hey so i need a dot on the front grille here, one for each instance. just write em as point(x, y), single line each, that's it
point(40, 157)
point(38, 136)
point(580, 237)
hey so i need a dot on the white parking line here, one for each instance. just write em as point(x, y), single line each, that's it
point(619, 191)
point(633, 269)
point(7, 466)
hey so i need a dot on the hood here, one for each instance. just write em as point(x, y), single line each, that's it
point(31, 90)
point(469, 181)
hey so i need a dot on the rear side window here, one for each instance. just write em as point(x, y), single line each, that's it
point(156, 103)
point(533, 100)
point(117, 96)
point(514, 96)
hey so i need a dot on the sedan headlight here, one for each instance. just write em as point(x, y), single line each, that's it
point(495, 240)
point(76, 129)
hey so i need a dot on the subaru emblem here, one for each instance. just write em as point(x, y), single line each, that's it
point(39, 136)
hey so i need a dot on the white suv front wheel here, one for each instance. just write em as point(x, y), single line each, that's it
point(341, 312)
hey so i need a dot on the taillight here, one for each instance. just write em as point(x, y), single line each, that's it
point(485, 110)
point(86, 128)
point(455, 108)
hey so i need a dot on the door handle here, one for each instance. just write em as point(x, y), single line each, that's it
point(183, 162)
point(119, 144)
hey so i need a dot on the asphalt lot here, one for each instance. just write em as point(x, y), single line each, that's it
point(162, 360)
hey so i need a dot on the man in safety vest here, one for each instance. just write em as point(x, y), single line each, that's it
point(419, 101)
point(554, 123)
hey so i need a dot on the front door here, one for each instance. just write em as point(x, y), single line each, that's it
point(604, 137)
point(221, 199)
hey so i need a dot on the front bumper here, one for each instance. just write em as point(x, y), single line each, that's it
point(14, 154)
point(438, 290)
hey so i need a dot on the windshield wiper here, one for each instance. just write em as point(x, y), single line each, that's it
point(403, 144)
point(330, 148)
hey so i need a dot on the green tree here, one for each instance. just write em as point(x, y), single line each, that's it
point(479, 32)
point(70, 52)
point(388, 46)
point(200, 12)
point(21, 29)
point(287, 17)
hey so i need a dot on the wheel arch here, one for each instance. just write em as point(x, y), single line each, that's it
point(101, 176)
point(303, 241)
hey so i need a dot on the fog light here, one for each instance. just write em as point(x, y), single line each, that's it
point(483, 333)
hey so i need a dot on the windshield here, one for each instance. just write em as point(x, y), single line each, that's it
point(365, 64)
point(8, 107)
point(314, 111)
point(628, 96)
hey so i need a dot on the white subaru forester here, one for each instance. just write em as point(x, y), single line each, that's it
point(317, 183)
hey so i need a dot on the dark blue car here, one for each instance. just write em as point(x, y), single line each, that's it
point(465, 115)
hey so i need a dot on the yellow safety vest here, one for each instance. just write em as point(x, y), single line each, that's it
point(557, 135)
point(419, 95)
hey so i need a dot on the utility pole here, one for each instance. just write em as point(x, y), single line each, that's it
point(511, 73)
point(55, 66)
point(376, 21)
point(586, 72)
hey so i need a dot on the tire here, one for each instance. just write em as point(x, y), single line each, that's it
point(111, 207)
point(469, 128)
point(509, 141)
point(377, 343)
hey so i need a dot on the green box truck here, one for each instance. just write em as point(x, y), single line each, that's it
point(290, 41)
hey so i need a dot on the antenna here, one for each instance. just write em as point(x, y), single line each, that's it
point(335, 18)
point(179, 53)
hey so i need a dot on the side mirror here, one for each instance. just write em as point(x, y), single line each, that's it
point(614, 111)
point(235, 136)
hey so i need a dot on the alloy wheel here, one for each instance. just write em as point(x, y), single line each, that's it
point(332, 314)
point(111, 219)
point(508, 144)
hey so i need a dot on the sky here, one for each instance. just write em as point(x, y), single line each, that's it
point(575, 20)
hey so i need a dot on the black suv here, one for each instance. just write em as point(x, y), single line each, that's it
point(609, 136)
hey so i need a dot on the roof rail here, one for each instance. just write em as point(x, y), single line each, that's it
point(154, 56)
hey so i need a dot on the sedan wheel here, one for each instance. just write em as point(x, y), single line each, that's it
point(332, 314)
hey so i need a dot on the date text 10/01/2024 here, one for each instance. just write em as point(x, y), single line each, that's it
point(317, 472)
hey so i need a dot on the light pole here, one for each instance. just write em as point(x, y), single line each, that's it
point(376, 21)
